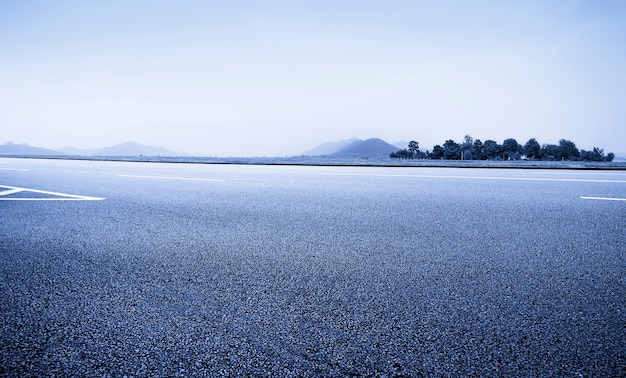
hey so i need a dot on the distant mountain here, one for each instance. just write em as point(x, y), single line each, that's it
point(124, 149)
point(133, 149)
point(401, 144)
point(25, 149)
point(329, 148)
point(353, 147)
point(369, 147)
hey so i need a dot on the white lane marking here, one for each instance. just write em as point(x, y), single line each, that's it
point(77, 165)
point(173, 178)
point(11, 191)
point(14, 169)
point(603, 198)
point(82, 198)
point(456, 177)
point(60, 196)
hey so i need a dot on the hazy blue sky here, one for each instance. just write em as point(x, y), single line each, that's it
point(279, 77)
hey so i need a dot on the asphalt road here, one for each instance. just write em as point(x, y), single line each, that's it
point(147, 269)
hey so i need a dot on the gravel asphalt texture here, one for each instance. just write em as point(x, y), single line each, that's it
point(311, 271)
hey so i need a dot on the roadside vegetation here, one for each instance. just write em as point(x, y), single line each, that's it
point(510, 149)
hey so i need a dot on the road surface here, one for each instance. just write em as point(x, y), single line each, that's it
point(147, 269)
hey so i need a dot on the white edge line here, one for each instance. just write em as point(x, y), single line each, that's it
point(603, 198)
point(14, 169)
point(65, 197)
point(172, 178)
point(609, 181)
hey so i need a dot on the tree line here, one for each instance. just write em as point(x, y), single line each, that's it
point(510, 149)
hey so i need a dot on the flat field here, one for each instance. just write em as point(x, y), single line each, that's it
point(157, 269)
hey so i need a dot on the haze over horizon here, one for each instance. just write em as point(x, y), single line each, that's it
point(278, 78)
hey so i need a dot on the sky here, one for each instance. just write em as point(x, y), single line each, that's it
point(276, 78)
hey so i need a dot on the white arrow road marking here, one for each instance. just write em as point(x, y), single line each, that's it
point(10, 191)
point(59, 196)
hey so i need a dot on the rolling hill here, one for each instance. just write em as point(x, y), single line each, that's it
point(25, 150)
point(124, 149)
point(353, 147)
point(133, 149)
point(368, 147)
point(329, 148)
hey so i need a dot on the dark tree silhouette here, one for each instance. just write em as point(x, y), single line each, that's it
point(532, 149)
point(491, 149)
point(411, 153)
point(438, 152)
point(478, 149)
point(414, 148)
point(467, 148)
point(401, 154)
point(452, 150)
point(596, 155)
point(568, 150)
point(510, 149)
point(550, 152)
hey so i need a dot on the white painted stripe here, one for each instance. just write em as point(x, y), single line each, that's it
point(604, 198)
point(173, 178)
point(77, 165)
point(11, 191)
point(83, 198)
point(458, 177)
point(60, 196)
point(14, 169)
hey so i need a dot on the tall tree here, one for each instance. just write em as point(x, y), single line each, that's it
point(568, 150)
point(478, 150)
point(467, 148)
point(437, 153)
point(414, 148)
point(468, 141)
point(532, 149)
point(491, 149)
point(452, 150)
point(510, 148)
point(550, 152)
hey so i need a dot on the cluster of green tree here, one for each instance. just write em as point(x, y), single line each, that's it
point(471, 149)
